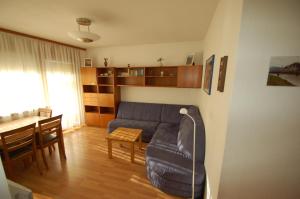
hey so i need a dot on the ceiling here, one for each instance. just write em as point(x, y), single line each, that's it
point(118, 22)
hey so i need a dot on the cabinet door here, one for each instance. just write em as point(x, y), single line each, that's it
point(88, 76)
point(106, 100)
point(92, 119)
point(90, 99)
point(105, 119)
point(189, 76)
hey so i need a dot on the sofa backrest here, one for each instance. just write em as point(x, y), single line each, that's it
point(186, 135)
point(139, 111)
point(170, 113)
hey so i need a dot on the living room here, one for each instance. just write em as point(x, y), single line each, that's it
point(150, 99)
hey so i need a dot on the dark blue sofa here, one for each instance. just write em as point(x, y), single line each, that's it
point(170, 151)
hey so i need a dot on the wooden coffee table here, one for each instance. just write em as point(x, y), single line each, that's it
point(127, 135)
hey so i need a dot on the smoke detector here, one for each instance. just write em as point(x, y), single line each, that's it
point(84, 36)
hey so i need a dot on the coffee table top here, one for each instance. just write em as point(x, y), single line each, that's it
point(125, 134)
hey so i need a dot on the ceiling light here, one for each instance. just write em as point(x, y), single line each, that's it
point(84, 36)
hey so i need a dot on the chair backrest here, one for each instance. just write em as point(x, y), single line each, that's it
point(45, 112)
point(49, 126)
point(18, 138)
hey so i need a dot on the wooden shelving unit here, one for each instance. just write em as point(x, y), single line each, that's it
point(100, 96)
point(101, 86)
point(133, 76)
point(166, 76)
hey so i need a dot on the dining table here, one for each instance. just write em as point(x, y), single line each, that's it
point(21, 122)
point(18, 123)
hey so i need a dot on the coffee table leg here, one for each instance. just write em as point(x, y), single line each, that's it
point(140, 142)
point(109, 148)
point(132, 151)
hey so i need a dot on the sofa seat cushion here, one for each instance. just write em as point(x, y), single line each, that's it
point(171, 164)
point(147, 126)
point(139, 111)
point(166, 133)
point(173, 187)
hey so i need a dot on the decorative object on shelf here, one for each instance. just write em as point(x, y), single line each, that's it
point(284, 71)
point(208, 75)
point(84, 36)
point(128, 65)
point(184, 111)
point(105, 61)
point(190, 60)
point(88, 62)
point(222, 73)
point(161, 73)
point(160, 60)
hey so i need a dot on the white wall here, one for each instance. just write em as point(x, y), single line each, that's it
point(146, 55)
point(262, 155)
point(221, 39)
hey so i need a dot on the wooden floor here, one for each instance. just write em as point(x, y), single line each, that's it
point(88, 173)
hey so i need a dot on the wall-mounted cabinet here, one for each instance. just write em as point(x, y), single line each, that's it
point(189, 77)
point(166, 76)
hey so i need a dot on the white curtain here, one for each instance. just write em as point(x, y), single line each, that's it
point(35, 74)
point(62, 92)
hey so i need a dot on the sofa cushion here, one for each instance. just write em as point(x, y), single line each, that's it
point(185, 135)
point(173, 187)
point(166, 133)
point(173, 165)
point(148, 127)
point(139, 111)
point(170, 113)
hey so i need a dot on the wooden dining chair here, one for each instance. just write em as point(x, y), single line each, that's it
point(19, 144)
point(46, 112)
point(50, 132)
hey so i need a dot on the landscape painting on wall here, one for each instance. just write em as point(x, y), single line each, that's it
point(284, 71)
point(209, 67)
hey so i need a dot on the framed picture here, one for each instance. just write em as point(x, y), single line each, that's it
point(208, 75)
point(222, 73)
point(88, 62)
point(190, 59)
point(284, 71)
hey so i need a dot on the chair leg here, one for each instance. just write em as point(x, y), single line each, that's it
point(44, 158)
point(9, 169)
point(61, 152)
point(62, 149)
point(37, 163)
point(50, 149)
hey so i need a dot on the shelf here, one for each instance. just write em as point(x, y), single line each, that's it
point(89, 88)
point(107, 110)
point(161, 82)
point(169, 71)
point(131, 76)
point(123, 85)
point(91, 109)
point(106, 89)
point(105, 76)
point(163, 76)
point(105, 81)
point(105, 85)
